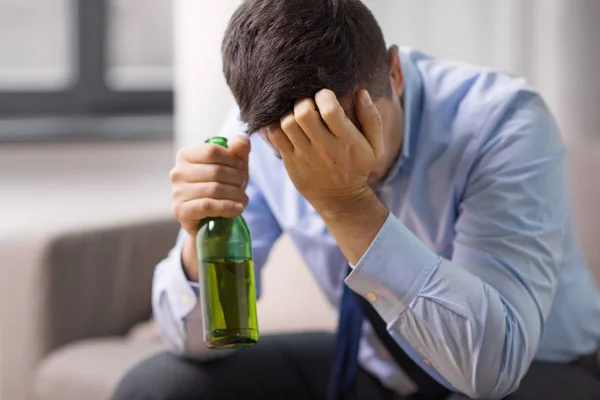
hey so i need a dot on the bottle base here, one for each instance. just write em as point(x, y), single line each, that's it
point(231, 338)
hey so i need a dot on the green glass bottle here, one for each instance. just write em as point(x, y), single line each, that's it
point(227, 286)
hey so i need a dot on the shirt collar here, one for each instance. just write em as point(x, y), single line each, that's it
point(413, 95)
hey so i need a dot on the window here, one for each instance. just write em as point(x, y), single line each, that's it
point(133, 64)
point(74, 59)
point(35, 45)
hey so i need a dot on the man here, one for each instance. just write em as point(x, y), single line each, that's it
point(428, 198)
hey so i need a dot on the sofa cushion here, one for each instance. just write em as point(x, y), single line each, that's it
point(90, 369)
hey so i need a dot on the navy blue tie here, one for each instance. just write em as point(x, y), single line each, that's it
point(345, 362)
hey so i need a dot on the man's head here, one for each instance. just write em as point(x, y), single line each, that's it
point(276, 52)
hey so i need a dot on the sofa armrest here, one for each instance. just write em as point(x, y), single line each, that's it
point(98, 283)
point(62, 286)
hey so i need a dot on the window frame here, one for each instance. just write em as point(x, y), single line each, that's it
point(88, 94)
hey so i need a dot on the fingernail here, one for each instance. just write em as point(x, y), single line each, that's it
point(367, 98)
point(240, 164)
point(238, 207)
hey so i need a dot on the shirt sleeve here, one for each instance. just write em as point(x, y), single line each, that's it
point(475, 322)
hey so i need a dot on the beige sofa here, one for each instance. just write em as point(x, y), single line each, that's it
point(67, 328)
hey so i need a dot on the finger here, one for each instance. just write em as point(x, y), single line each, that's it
point(369, 117)
point(241, 146)
point(309, 120)
point(292, 130)
point(332, 113)
point(197, 210)
point(280, 140)
point(210, 154)
point(210, 190)
point(196, 173)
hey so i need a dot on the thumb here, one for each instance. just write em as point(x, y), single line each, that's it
point(240, 147)
point(370, 119)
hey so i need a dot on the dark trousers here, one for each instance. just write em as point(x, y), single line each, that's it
point(296, 366)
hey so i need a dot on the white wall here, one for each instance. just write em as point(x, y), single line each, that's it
point(202, 98)
point(555, 44)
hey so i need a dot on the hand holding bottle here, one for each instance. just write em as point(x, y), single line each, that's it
point(208, 181)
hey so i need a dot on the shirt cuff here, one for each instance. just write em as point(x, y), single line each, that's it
point(394, 269)
point(182, 296)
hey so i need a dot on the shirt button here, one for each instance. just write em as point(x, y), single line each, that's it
point(372, 297)
point(185, 299)
point(427, 362)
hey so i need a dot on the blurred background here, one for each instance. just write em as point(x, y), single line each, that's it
point(97, 95)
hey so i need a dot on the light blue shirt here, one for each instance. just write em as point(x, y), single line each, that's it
point(476, 270)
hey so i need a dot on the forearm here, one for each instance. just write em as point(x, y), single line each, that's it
point(455, 324)
point(354, 221)
point(189, 258)
point(467, 333)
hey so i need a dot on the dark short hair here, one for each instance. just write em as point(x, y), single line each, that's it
point(276, 52)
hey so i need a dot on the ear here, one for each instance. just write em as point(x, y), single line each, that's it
point(396, 74)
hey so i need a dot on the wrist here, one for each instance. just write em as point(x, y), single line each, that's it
point(189, 259)
point(354, 221)
point(349, 204)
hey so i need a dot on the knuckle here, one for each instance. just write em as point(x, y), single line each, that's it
point(177, 192)
point(288, 122)
point(203, 207)
point(216, 172)
point(175, 175)
point(178, 210)
point(328, 112)
point(326, 93)
point(244, 179)
point(213, 189)
point(327, 153)
point(221, 207)
point(180, 155)
point(211, 152)
point(304, 114)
